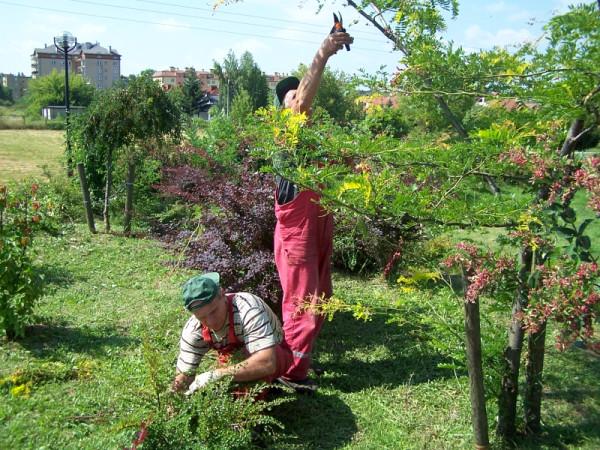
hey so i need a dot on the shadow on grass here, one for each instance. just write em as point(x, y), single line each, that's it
point(46, 341)
point(361, 354)
point(56, 277)
point(308, 416)
point(579, 402)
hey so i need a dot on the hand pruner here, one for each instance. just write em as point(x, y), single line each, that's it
point(338, 27)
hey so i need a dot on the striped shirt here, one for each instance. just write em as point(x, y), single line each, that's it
point(255, 324)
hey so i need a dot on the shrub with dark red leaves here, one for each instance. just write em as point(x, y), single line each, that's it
point(237, 225)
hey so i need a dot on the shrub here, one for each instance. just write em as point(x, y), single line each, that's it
point(237, 224)
point(21, 213)
point(222, 142)
point(212, 418)
point(386, 120)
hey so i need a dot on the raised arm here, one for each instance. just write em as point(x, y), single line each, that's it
point(309, 85)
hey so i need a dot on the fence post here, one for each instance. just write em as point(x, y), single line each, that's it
point(87, 204)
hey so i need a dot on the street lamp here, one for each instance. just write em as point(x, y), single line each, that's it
point(64, 44)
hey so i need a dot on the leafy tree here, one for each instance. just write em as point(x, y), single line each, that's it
point(128, 122)
point(241, 107)
point(244, 74)
point(50, 90)
point(434, 180)
point(254, 81)
point(191, 90)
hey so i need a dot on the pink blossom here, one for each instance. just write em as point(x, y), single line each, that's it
point(477, 283)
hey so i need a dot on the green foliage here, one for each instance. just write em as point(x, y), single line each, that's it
point(241, 107)
point(130, 120)
point(213, 419)
point(236, 76)
point(484, 117)
point(386, 120)
point(20, 285)
point(222, 142)
point(191, 90)
point(337, 95)
point(5, 96)
point(50, 91)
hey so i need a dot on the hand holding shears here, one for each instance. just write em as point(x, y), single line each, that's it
point(338, 27)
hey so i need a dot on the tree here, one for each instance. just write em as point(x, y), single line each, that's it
point(253, 81)
point(127, 121)
point(50, 90)
point(241, 107)
point(191, 90)
point(424, 183)
point(244, 74)
point(5, 95)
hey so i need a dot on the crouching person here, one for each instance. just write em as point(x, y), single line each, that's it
point(228, 323)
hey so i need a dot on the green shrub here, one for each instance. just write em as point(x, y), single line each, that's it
point(212, 418)
point(222, 142)
point(21, 213)
point(483, 117)
point(386, 120)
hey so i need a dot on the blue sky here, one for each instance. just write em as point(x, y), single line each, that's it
point(280, 34)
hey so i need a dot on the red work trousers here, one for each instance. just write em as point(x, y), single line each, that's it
point(303, 246)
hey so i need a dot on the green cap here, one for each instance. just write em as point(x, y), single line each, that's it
point(200, 290)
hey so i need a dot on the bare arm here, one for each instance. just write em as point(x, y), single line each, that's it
point(259, 365)
point(309, 85)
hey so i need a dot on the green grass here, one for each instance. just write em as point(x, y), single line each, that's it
point(24, 153)
point(382, 386)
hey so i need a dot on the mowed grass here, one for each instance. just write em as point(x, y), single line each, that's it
point(24, 153)
point(382, 387)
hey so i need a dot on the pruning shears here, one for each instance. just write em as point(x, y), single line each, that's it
point(338, 27)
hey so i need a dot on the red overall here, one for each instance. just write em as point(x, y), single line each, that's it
point(283, 354)
point(303, 247)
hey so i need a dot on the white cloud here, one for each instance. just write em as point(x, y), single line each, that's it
point(476, 37)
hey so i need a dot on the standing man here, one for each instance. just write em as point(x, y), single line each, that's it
point(304, 232)
point(228, 323)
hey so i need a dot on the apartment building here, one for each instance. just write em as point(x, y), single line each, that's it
point(97, 64)
point(173, 77)
point(17, 84)
point(168, 79)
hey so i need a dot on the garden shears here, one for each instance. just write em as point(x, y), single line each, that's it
point(338, 27)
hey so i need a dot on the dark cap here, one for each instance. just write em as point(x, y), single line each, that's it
point(284, 86)
point(200, 290)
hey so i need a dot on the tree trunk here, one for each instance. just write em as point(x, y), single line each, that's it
point(107, 192)
point(507, 401)
point(87, 204)
point(570, 141)
point(456, 124)
point(533, 388)
point(474, 366)
point(129, 201)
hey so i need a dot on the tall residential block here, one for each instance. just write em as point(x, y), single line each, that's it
point(99, 65)
point(17, 84)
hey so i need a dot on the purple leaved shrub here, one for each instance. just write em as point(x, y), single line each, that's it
point(237, 223)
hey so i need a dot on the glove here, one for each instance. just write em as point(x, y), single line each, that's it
point(202, 380)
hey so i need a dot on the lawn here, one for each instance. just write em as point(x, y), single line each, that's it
point(24, 153)
point(383, 386)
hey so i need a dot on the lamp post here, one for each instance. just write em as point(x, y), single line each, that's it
point(64, 44)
